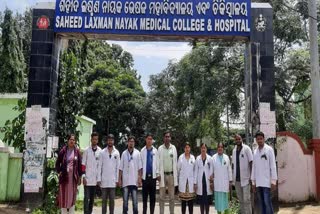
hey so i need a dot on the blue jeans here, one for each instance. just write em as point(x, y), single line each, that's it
point(265, 200)
point(126, 191)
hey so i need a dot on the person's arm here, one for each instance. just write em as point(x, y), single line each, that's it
point(195, 175)
point(229, 171)
point(79, 166)
point(140, 170)
point(157, 163)
point(99, 174)
point(120, 170)
point(59, 161)
point(117, 168)
point(178, 166)
point(84, 164)
point(253, 175)
point(273, 169)
point(250, 158)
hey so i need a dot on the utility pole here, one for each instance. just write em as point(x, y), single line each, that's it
point(315, 84)
point(315, 76)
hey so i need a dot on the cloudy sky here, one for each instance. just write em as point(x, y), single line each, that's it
point(150, 57)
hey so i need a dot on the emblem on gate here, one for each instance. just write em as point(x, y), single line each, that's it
point(261, 23)
point(43, 22)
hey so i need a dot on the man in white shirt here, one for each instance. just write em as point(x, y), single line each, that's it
point(108, 176)
point(242, 166)
point(150, 172)
point(168, 171)
point(90, 162)
point(130, 175)
point(264, 173)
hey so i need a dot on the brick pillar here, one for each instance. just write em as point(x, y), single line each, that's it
point(42, 90)
point(315, 145)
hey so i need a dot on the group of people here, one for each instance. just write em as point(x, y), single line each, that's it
point(197, 178)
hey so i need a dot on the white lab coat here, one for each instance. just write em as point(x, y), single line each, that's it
point(174, 162)
point(130, 166)
point(264, 171)
point(109, 168)
point(90, 160)
point(222, 173)
point(155, 162)
point(245, 158)
point(186, 169)
point(207, 169)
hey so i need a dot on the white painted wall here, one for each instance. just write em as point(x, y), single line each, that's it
point(296, 171)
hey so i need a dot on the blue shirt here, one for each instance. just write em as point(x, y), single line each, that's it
point(149, 161)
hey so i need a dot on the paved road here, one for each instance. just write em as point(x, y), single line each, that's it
point(118, 208)
point(298, 209)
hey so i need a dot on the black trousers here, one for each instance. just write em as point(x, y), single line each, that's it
point(149, 189)
point(204, 199)
point(184, 206)
point(89, 193)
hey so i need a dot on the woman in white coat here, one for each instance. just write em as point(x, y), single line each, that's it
point(222, 175)
point(186, 177)
point(203, 172)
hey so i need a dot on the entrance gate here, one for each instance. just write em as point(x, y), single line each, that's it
point(134, 20)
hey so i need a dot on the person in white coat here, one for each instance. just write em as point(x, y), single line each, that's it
point(108, 176)
point(242, 165)
point(90, 163)
point(264, 173)
point(168, 171)
point(222, 176)
point(150, 173)
point(186, 177)
point(130, 173)
point(203, 175)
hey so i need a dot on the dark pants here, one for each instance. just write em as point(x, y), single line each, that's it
point(89, 193)
point(126, 192)
point(204, 199)
point(149, 189)
point(184, 206)
point(265, 200)
point(108, 193)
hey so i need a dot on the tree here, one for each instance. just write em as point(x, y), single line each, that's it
point(115, 96)
point(24, 22)
point(70, 94)
point(12, 64)
point(14, 129)
point(189, 97)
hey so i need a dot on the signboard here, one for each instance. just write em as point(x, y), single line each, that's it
point(35, 152)
point(161, 18)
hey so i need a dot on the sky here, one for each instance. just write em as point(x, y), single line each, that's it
point(149, 57)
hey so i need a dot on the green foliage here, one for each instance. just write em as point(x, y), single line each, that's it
point(70, 92)
point(14, 129)
point(24, 22)
point(115, 96)
point(52, 188)
point(12, 62)
point(234, 206)
point(189, 97)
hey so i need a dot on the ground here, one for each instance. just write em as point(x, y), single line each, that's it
point(311, 208)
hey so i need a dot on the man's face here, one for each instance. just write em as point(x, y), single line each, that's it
point(94, 140)
point(238, 140)
point(187, 149)
point(110, 142)
point(131, 143)
point(260, 140)
point(149, 140)
point(167, 138)
point(220, 149)
point(203, 149)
